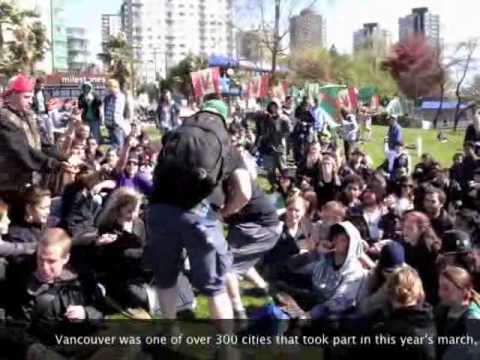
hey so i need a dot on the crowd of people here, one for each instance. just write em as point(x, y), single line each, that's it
point(91, 227)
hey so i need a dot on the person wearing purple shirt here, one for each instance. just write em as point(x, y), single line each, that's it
point(127, 170)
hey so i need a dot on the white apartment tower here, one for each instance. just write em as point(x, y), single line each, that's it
point(111, 26)
point(163, 32)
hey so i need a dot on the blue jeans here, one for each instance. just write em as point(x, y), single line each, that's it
point(95, 130)
point(171, 229)
point(117, 137)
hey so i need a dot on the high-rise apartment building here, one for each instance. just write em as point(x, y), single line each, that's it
point(307, 30)
point(420, 21)
point(163, 32)
point(111, 26)
point(372, 37)
point(77, 45)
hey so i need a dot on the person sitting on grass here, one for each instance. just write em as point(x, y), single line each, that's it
point(55, 301)
point(458, 312)
point(127, 170)
point(338, 278)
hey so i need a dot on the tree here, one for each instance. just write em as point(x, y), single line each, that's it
point(472, 91)
point(118, 59)
point(23, 40)
point(466, 51)
point(274, 24)
point(179, 78)
point(319, 65)
point(312, 65)
point(414, 66)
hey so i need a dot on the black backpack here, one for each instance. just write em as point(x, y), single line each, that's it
point(192, 163)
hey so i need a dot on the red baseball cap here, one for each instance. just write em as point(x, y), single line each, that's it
point(19, 84)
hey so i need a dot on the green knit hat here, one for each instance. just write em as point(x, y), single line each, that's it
point(217, 107)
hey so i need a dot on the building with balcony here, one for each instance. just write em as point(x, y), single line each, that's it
point(111, 26)
point(163, 32)
point(77, 45)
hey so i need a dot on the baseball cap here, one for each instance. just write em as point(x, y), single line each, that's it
point(392, 256)
point(216, 107)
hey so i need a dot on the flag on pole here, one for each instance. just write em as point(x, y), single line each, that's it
point(353, 97)
point(375, 102)
point(206, 82)
point(279, 91)
point(258, 87)
point(328, 96)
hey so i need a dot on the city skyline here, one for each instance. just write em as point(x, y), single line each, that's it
point(457, 22)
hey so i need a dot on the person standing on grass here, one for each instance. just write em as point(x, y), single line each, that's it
point(91, 105)
point(194, 161)
point(395, 133)
point(117, 114)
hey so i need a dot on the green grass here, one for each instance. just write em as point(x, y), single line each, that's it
point(442, 152)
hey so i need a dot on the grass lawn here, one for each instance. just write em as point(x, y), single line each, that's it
point(442, 152)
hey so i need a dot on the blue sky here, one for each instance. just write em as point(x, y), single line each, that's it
point(459, 18)
point(88, 14)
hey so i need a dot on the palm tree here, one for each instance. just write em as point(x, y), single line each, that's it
point(118, 59)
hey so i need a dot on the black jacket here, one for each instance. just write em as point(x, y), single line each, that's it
point(425, 262)
point(43, 306)
point(96, 103)
point(78, 211)
point(416, 322)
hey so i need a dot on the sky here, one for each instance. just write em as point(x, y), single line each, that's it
point(459, 19)
point(88, 14)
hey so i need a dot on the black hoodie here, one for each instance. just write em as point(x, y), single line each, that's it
point(415, 323)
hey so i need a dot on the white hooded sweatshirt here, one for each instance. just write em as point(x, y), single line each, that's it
point(340, 289)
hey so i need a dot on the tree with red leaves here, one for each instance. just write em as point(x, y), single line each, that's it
point(416, 67)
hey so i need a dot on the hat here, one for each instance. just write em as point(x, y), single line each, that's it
point(87, 83)
point(216, 107)
point(456, 242)
point(19, 84)
point(392, 256)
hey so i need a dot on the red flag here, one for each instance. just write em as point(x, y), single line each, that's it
point(353, 96)
point(258, 87)
point(206, 82)
point(375, 102)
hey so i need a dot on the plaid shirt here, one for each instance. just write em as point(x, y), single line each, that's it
point(115, 106)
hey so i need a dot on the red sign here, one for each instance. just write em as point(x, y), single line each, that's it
point(206, 82)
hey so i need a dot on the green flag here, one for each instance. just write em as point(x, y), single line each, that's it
point(328, 96)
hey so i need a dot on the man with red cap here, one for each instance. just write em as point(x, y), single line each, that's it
point(21, 152)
